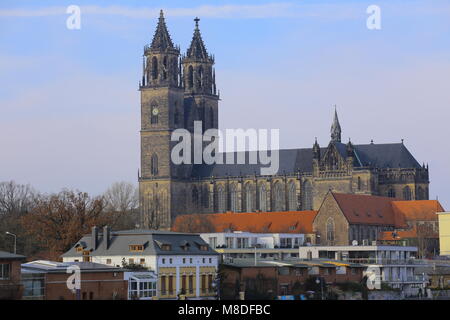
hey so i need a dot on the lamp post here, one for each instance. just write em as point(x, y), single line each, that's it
point(15, 240)
point(318, 280)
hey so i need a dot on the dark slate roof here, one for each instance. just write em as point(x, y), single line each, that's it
point(393, 155)
point(151, 239)
point(61, 267)
point(10, 256)
point(197, 48)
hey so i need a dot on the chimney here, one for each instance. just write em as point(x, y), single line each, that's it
point(106, 237)
point(94, 237)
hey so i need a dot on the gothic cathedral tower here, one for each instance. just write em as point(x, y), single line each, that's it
point(161, 112)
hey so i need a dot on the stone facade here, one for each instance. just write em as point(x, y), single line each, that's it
point(178, 90)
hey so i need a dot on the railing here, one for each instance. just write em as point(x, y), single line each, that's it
point(385, 261)
point(416, 278)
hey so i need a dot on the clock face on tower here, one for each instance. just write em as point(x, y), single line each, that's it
point(155, 111)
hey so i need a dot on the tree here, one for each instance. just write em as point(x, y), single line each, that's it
point(121, 203)
point(58, 221)
point(195, 223)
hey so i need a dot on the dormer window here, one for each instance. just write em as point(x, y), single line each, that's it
point(136, 248)
point(79, 249)
point(203, 248)
point(166, 247)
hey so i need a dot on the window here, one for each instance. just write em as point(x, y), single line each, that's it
point(330, 229)
point(190, 260)
point(292, 195)
point(205, 197)
point(262, 198)
point(108, 261)
point(203, 247)
point(407, 193)
point(163, 285)
point(190, 77)
point(203, 260)
point(136, 248)
point(166, 247)
point(154, 68)
point(79, 249)
point(131, 261)
point(420, 194)
point(170, 285)
point(307, 195)
point(142, 261)
point(359, 183)
point(170, 260)
point(248, 198)
point(154, 114)
point(165, 68)
point(278, 198)
point(213, 242)
point(391, 193)
point(191, 284)
point(184, 260)
point(5, 270)
point(163, 261)
point(221, 197)
point(91, 295)
point(141, 288)
point(154, 165)
point(233, 198)
point(194, 196)
point(210, 260)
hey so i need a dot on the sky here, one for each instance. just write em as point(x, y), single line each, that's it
point(69, 99)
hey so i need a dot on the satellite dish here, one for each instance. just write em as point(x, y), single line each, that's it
point(354, 243)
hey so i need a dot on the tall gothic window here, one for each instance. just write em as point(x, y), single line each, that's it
point(205, 196)
point(407, 193)
point(154, 165)
point(420, 194)
point(248, 198)
point(200, 77)
point(221, 199)
point(195, 195)
point(233, 198)
point(292, 196)
point(359, 183)
point(307, 195)
point(190, 77)
point(154, 68)
point(278, 197)
point(391, 193)
point(263, 198)
point(330, 229)
point(165, 65)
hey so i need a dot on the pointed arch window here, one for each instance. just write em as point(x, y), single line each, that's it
point(407, 193)
point(420, 194)
point(330, 229)
point(154, 114)
point(205, 196)
point(278, 197)
point(200, 77)
point(359, 183)
point(307, 195)
point(248, 198)
point(233, 198)
point(154, 68)
point(165, 65)
point(190, 77)
point(154, 165)
point(221, 199)
point(194, 195)
point(263, 198)
point(292, 196)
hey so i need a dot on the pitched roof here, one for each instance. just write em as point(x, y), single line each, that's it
point(161, 39)
point(389, 155)
point(418, 210)
point(151, 240)
point(366, 209)
point(263, 222)
point(397, 235)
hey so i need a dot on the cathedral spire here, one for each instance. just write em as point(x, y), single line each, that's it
point(161, 39)
point(335, 128)
point(197, 48)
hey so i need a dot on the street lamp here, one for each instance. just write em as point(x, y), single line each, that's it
point(15, 240)
point(318, 280)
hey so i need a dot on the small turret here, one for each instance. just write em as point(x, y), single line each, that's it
point(335, 128)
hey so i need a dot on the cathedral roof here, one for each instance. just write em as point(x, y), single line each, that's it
point(197, 48)
point(161, 39)
point(389, 155)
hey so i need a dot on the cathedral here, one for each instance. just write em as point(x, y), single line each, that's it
point(178, 89)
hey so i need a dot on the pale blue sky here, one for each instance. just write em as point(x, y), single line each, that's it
point(70, 106)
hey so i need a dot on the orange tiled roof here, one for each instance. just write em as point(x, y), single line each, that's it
point(400, 235)
point(366, 209)
point(418, 210)
point(257, 222)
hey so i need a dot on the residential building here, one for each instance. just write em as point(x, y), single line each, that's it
point(242, 240)
point(345, 218)
point(444, 233)
point(393, 265)
point(10, 286)
point(183, 262)
point(268, 278)
point(47, 280)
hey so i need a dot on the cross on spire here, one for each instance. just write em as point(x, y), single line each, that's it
point(335, 128)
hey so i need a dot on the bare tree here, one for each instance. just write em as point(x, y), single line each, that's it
point(121, 196)
point(16, 198)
